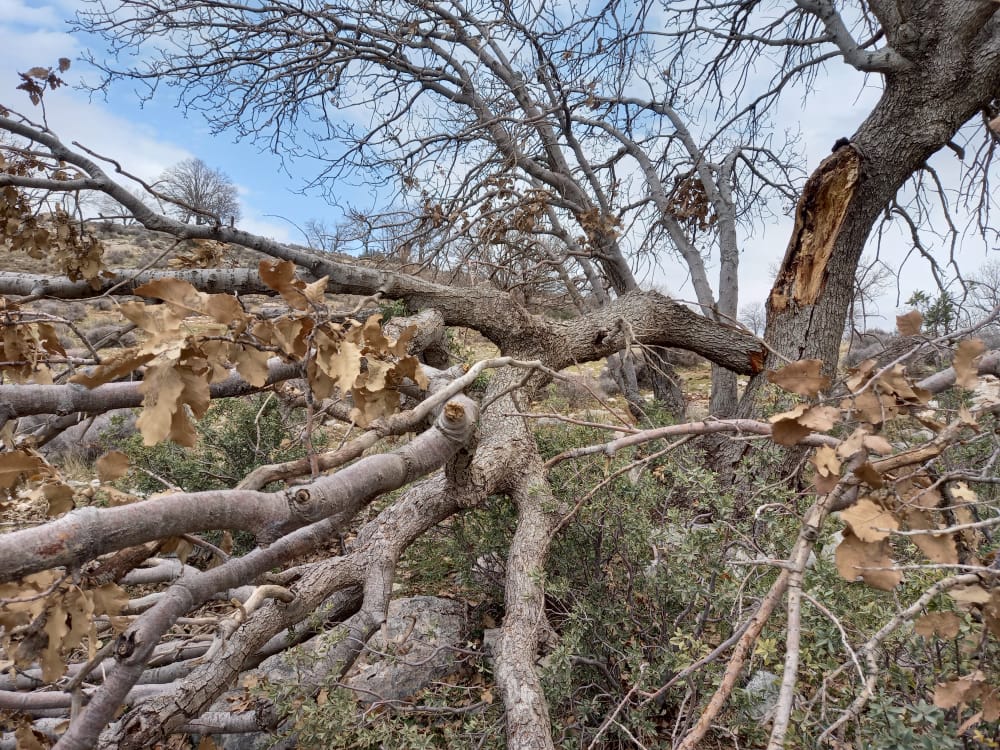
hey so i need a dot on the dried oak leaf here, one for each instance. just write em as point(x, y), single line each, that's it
point(966, 375)
point(16, 466)
point(938, 548)
point(940, 624)
point(788, 432)
point(909, 324)
point(827, 469)
point(186, 300)
point(855, 558)
point(111, 466)
point(869, 522)
point(802, 377)
point(117, 364)
point(59, 496)
point(251, 364)
point(867, 474)
point(956, 692)
point(280, 276)
point(970, 595)
point(858, 376)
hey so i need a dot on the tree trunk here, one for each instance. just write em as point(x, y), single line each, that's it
point(919, 112)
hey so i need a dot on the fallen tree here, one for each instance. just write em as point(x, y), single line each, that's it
point(341, 538)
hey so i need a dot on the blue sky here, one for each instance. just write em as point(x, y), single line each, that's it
point(149, 137)
point(146, 137)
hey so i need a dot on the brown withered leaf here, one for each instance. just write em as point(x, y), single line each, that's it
point(314, 291)
point(916, 492)
point(951, 694)
point(858, 376)
point(963, 493)
point(869, 522)
point(109, 599)
point(970, 595)
point(369, 406)
point(855, 558)
point(788, 432)
point(991, 706)
point(909, 324)
point(111, 466)
point(410, 367)
point(57, 629)
point(401, 346)
point(251, 364)
point(279, 275)
point(852, 444)
point(162, 387)
point(292, 334)
point(956, 692)
point(896, 381)
point(940, 624)
point(873, 407)
point(182, 429)
point(27, 738)
point(820, 418)
point(377, 375)
point(375, 339)
point(59, 496)
point(966, 725)
point(825, 460)
point(341, 361)
point(867, 474)
point(162, 322)
point(320, 383)
point(186, 300)
point(18, 465)
point(878, 444)
point(117, 497)
point(966, 375)
point(827, 469)
point(802, 377)
point(116, 364)
point(938, 548)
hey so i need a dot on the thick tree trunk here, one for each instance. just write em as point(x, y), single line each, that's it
point(955, 72)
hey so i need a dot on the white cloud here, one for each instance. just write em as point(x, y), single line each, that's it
point(264, 228)
point(21, 14)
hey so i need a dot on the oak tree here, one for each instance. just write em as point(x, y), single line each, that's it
point(531, 163)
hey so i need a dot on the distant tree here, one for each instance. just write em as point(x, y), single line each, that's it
point(320, 236)
point(754, 317)
point(984, 290)
point(109, 208)
point(941, 313)
point(200, 193)
point(872, 279)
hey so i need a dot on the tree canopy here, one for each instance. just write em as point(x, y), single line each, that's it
point(200, 193)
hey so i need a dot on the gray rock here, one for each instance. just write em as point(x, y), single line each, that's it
point(85, 440)
point(416, 641)
point(762, 691)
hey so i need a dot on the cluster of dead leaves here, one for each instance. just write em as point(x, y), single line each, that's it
point(894, 494)
point(40, 79)
point(689, 203)
point(45, 616)
point(28, 345)
point(55, 235)
point(182, 360)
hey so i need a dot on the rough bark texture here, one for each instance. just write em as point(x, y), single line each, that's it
point(953, 71)
point(125, 280)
